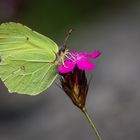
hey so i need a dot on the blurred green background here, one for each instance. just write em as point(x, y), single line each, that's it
point(113, 101)
point(55, 17)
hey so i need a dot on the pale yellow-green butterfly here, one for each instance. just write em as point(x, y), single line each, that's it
point(29, 60)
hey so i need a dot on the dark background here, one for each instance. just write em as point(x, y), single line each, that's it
point(113, 101)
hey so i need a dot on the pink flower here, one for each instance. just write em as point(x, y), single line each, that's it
point(80, 59)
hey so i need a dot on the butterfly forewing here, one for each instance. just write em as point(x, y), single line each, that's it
point(27, 59)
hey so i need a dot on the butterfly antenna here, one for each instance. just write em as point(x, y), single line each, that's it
point(67, 37)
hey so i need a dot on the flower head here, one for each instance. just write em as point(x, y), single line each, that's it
point(74, 82)
point(80, 59)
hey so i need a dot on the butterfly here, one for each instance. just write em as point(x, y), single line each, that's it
point(28, 59)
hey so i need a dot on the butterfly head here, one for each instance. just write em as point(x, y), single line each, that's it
point(63, 52)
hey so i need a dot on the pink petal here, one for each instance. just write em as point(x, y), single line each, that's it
point(94, 54)
point(69, 66)
point(74, 52)
point(83, 54)
point(84, 64)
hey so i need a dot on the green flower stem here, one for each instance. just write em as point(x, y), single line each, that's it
point(91, 123)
